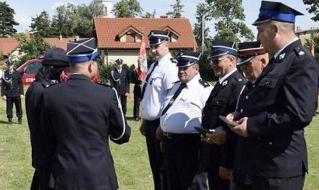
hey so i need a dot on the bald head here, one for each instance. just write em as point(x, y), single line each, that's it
point(88, 68)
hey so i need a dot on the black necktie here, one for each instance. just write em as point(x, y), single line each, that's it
point(147, 78)
point(170, 103)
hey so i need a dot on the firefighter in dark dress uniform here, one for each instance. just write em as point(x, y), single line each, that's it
point(120, 80)
point(222, 99)
point(274, 110)
point(55, 61)
point(78, 117)
point(12, 91)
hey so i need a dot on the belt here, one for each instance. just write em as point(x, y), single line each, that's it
point(151, 122)
point(180, 136)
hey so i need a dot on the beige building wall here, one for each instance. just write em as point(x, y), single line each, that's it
point(129, 56)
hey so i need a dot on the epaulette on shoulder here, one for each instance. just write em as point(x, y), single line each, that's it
point(173, 60)
point(47, 84)
point(204, 83)
point(299, 51)
point(241, 79)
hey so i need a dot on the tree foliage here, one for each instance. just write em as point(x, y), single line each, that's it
point(228, 17)
point(76, 20)
point(7, 21)
point(31, 47)
point(313, 8)
point(197, 30)
point(62, 22)
point(149, 15)
point(127, 8)
point(314, 41)
point(41, 24)
point(177, 10)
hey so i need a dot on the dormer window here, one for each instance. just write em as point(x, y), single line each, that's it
point(130, 35)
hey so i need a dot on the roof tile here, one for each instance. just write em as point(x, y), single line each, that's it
point(107, 30)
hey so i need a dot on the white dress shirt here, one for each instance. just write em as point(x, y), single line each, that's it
point(186, 112)
point(161, 81)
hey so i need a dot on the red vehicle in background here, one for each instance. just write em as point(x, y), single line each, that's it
point(29, 69)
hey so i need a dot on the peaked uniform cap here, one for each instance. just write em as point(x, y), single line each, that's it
point(248, 50)
point(9, 62)
point(119, 61)
point(55, 57)
point(221, 48)
point(158, 36)
point(186, 59)
point(277, 11)
point(82, 50)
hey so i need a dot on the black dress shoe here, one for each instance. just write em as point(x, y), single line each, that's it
point(10, 121)
point(20, 121)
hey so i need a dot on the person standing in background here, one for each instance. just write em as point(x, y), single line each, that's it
point(120, 80)
point(12, 91)
point(136, 78)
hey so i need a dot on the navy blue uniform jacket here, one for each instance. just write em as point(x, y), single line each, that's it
point(79, 116)
point(278, 105)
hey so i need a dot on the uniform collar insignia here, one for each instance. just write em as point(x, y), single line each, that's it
point(281, 56)
point(301, 53)
point(225, 83)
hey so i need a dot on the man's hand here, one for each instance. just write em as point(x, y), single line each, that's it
point(126, 94)
point(215, 137)
point(241, 128)
point(21, 96)
point(4, 97)
point(225, 173)
point(159, 133)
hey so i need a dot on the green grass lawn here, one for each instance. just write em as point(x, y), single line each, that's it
point(131, 162)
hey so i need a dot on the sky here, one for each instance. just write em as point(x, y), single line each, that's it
point(25, 9)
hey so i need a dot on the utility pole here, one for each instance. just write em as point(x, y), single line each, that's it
point(203, 33)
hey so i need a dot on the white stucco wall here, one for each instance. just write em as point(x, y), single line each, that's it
point(129, 56)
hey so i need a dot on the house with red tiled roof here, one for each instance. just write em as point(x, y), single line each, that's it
point(122, 37)
point(9, 46)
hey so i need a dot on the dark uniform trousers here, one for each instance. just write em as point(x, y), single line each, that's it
point(221, 101)
point(279, 105)
point(180, 159)
point(137, 99)
point(271, 184)
point(17, 102)
point(154, 152)
point(120, 81)
point(137, 92)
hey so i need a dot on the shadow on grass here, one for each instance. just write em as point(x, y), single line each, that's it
point(131, 118)
point(4, 122)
